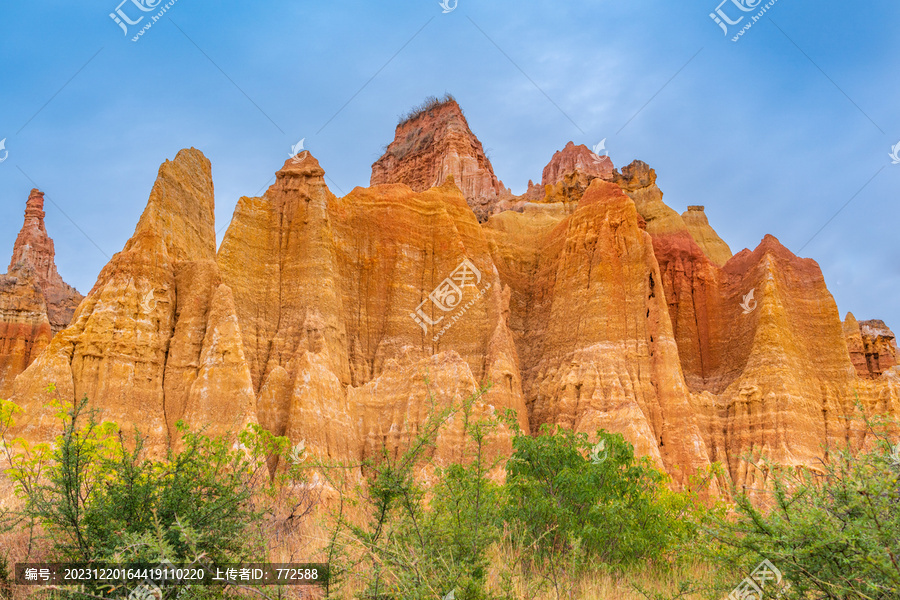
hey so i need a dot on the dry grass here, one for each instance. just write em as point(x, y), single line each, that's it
point(430, 103)
point(604, 583)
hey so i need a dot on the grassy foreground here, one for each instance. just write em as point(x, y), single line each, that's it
point(561, 515)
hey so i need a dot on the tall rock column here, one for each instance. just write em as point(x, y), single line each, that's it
point(35, 302)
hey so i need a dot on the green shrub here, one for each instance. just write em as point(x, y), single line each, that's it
point(100, 498)
point(566, 496)
point(834, 533)
point(418, 542)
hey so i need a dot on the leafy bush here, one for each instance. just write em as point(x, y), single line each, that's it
point(567, 496)
point(101, 499)
point(833, 533)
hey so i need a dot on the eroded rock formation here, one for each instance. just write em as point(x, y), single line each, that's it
point(344, 322)
point(435, 142)
point(339, 329)
point(35, 302)
point(706, 237)
point(567, 175)
point(872, 346)
point(157, 338)
point(612, 362)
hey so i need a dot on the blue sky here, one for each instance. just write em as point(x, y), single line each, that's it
point(774, 133)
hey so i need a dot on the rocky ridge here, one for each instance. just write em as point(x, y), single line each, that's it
point(157, 339)
point(341, 322)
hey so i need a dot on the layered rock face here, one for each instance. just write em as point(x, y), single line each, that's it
point(24, 325)
point(436, 142)
point(638, 180)
point(706, 237)
point(157, 338)
point(35, 302)
point(567, 175)
point(576, 158)
point(612, 362)
point(343, 305)
point(880, 346)
point(872, 346)
point(763, 350)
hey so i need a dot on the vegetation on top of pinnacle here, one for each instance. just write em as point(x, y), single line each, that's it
point(430, 104)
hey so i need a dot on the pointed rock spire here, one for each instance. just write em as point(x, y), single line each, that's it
point(34, 248)
point(435, 141)
point(35, 302)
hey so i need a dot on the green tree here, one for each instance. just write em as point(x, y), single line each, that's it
point(568, 497)
point(833, 532)
point(420, 542)
point(100, 498)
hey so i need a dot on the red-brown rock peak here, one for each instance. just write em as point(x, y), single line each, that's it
point(576, 158)
point(34, 248)
point(35, 302)
point(568, 174)
point(433, 142)
point(872, 346)
point(34, 253)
